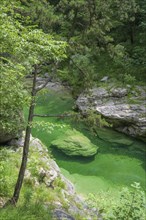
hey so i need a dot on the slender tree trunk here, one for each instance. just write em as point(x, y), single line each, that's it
point(18, 185)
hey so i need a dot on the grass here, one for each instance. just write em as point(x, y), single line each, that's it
point(26, 209)
point(31, 204)
point(29, 211)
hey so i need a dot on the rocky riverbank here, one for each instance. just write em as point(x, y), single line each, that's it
point(44, 177)
point(124, 108)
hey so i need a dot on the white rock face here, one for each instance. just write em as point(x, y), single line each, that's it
point(125, 110)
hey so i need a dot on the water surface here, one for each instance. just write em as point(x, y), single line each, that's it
point(116, 165)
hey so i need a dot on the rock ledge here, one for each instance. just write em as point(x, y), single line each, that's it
point(124, 109)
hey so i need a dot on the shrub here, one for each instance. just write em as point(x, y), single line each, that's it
point(129, 205)
point(128, 79)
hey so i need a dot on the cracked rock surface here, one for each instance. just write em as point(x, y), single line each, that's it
point(123, 107)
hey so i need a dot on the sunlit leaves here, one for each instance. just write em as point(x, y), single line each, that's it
point(12, 95)
point(21, 48)
point(46, 126)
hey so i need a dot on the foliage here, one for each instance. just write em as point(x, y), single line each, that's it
point(91, 29)
point(22, 48)
point(7, 181)
point(129, 204)
point(93, 120)
point(47, 126)
point(13, 97)
point(128, 79)
point(31, 204)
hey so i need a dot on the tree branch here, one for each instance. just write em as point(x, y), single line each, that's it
point(38, 88)
point(52, 115)
point(84, 73)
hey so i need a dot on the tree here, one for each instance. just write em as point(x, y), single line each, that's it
point(12, 71)
point(93, 29)
point(24, 49)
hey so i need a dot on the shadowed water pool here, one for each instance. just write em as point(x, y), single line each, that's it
point(119, 162)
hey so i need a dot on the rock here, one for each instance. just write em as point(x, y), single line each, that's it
point(126, 113)
point(104, 79)
point(17, 142)
point(61, 215)
point(56, 86)
point(119, 92)
point(73, 143)
point(100, 92)
point(37, 145)
point(46, 75)
point(16, 122)
point(2, 202)
point(29, 178)
point(114, 137)
point(69, 186)
point(44, 174)
point(51, 175)
point(5, 136)
point(54, 165)
point(27, 174)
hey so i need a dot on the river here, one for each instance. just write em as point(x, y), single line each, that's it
point(114, 166)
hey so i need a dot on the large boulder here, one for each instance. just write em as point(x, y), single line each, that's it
point(73, 143)
point(122, 107)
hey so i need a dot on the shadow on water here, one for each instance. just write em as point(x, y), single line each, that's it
point(60, 156)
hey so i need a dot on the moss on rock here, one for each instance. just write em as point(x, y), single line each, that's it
point(74, 143)
point(114, 137)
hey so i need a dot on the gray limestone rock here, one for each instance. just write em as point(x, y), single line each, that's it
point(119, 92)
point(126, 113)
point(61, 215)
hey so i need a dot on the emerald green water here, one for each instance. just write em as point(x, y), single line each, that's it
point(116, 165)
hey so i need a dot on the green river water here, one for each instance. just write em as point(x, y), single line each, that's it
point(115, 166)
